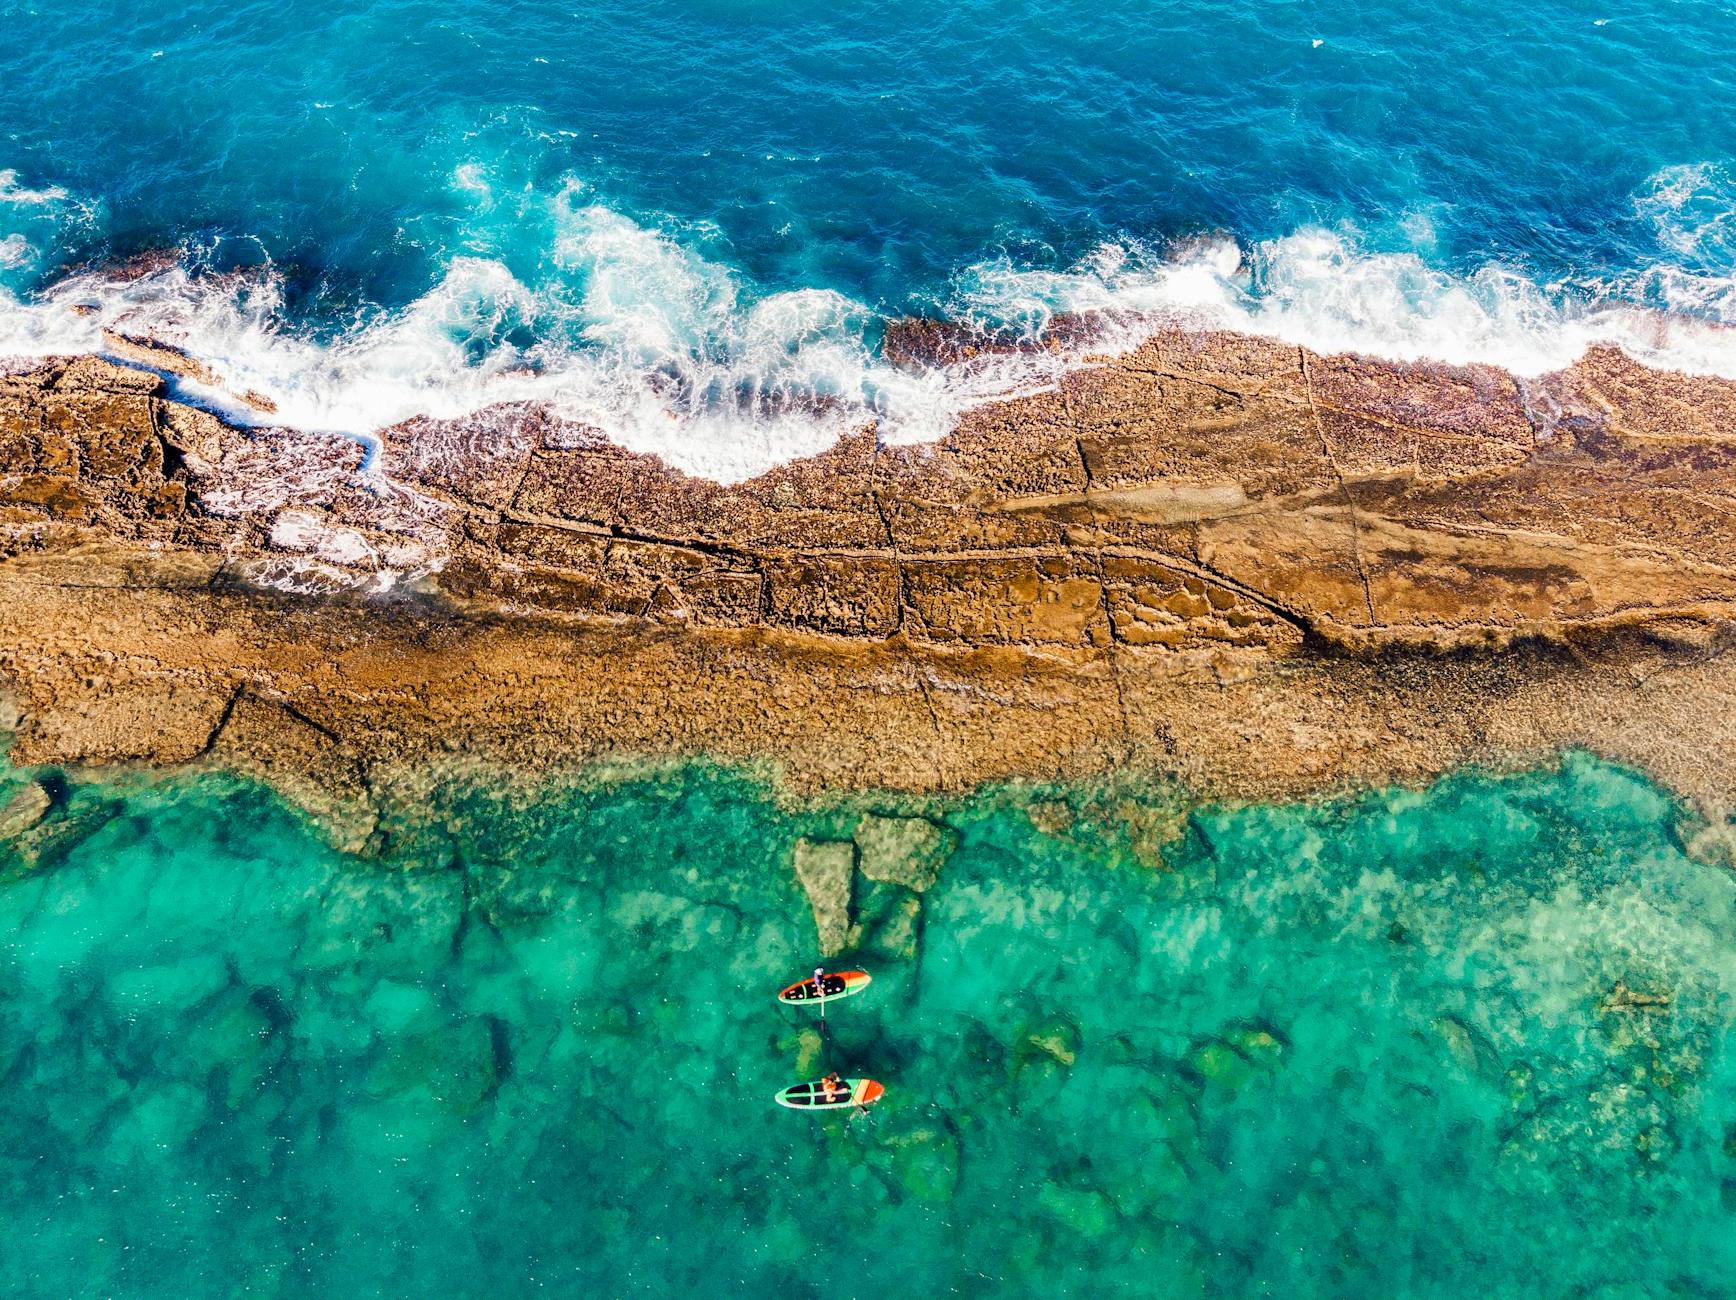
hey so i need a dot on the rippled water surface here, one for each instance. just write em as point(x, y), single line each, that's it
point(1469, 1041)
point(687, 221)
point(873, 148)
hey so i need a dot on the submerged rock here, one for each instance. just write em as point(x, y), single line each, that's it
point(235, 1044)
point(173, 986)
point(808, 1045)
point(1151, 830)
point(824, 869)
point(399, 921)
point(925, 1162)
point(1218, 1064)
point(50, 839)
point(1237, 1056)
point(1050, 816)
point(1518, 1085)
point(1056, 1038)
point(1174, 1113)
point(456, 1066)
point(1468, 1048)
point(24, 810)
point(1262, 1045)
point(157, 1118)
point(908, 851)
point(1085, 1211)
point(887, 921)
point(1623, 998)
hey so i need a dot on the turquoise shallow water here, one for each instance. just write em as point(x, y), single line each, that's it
point(1468, 1041)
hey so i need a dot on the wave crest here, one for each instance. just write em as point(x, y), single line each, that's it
point(669, 352)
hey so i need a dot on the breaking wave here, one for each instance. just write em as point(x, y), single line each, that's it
point(672, 352)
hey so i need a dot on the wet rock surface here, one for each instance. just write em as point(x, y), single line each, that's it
point(1258, 569)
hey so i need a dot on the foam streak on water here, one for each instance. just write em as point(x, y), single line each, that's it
point(1469, 1041)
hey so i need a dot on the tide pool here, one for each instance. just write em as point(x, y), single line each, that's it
point(1467, 1041)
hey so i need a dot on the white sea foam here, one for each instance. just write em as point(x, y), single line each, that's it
point(1692, 210)
point(659, 347)
point(1317, 288)
point(32, 218)
point(14, 191)
point(672, 353)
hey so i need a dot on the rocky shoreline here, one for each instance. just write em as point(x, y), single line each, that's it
point(1222, 560)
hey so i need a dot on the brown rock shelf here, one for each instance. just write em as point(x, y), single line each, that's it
point(1256, 569)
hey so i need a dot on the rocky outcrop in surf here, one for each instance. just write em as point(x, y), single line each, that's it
point(1256, 568)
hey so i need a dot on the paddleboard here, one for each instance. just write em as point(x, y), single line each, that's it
point(811, 1096)
point(839, 984)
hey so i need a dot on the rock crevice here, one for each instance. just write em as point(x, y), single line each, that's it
point(1262, 570)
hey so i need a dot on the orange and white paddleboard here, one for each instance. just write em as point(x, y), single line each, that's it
point(816, 1096)
point(837, 984)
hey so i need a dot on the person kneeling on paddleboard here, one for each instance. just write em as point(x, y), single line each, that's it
point(835, 1089)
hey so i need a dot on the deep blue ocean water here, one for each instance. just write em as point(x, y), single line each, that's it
point(692, 217)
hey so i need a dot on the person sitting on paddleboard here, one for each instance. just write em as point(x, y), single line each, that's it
point(833, 1084)
point(819, 981)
